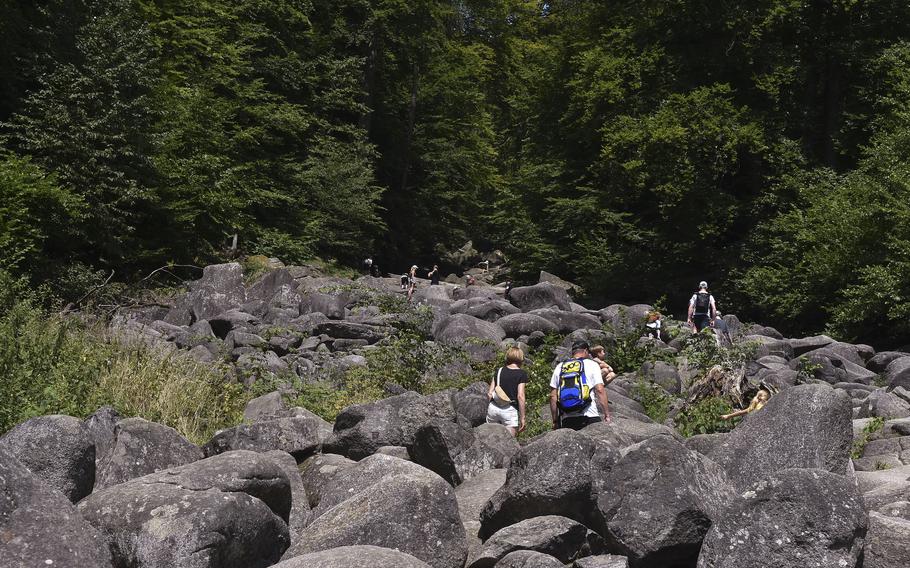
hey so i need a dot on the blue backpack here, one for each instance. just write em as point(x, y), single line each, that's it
point(574, 394)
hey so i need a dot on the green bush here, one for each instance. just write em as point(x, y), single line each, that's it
point(654, 398)
point(704, 417)
point(869, 431)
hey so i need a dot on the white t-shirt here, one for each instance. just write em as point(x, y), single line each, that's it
point(592, 379)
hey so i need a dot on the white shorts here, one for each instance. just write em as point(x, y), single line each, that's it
point(507, 416)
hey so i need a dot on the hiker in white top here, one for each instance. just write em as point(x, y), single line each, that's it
point(594, 405)
point(702, 309)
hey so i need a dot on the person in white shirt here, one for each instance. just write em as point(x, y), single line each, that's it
point(702, 309)
point(593, 406)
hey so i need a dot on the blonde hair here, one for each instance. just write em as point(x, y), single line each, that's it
point(515, 355)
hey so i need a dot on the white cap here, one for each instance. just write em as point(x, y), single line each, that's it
point(703, 284)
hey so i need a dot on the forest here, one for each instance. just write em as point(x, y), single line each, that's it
point(634, 147)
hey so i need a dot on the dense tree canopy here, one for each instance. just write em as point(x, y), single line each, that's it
point(634, 146)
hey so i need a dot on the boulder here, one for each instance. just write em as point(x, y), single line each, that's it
point(549, 476)
point(766, 345)
point(472, 496)
point(430, 530)
point(559, 537)
point(101, 425)
point(625, 319)
point(330, 305)
point(542, 295)
point(225, 322)
point(806, 344)
point(880, 361)
point(351, 330)
point(299, 436)
point(705, 443)
point(807, 426)
point(793, 519)
point(883, 404)
point(40, 527)
point(602, 561)
point(362, 476)
point(141, 447)
point(839, 350)
point(681, 491)
point(318, 472)
point(557, 281)
point(433, 295)
point(362, 428)
point(299, 517)
point(887, 542)
point(516, 325)
point(354, 557)
point(472, 402)
point(568, 321)
point(475, 292)
point(491, 310)
point(269, 284)
point(227, 510)
point(457, 453)
point(480, 338)
point(58, 449)
point(763, 331)
point(663, 374)
point(638, 431)
point(528, 559)
point(219, 289)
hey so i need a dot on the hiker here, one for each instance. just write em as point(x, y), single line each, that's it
point(507, 393)
point(375, 270)
point(404, 281)
point(653, 325)
point(433, 275)
point(721, 331)
point(759, 402)
point(508, 294)
point(606, 371)
point(367, 266)
point(470, 281)
point(572, 402)
point(412, 281)
point(701, 308)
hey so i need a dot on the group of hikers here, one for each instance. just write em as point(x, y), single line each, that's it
point(578, 394)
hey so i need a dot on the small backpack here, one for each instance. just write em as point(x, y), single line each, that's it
point(702, 302)
point(574, 393)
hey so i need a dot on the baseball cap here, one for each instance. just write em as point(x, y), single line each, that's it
point(579, 345)
point(702, 284)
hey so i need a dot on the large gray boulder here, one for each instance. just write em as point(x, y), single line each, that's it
point(549, 476)
point(413, 513)
point(101, 426)
point(883, 404)
point(317, 473)
point(663, 374)
point(528, 559)
point(227, 510)
point(330, 305)
point(516, 325)
point(602, 561)
point(299, 516)
point(361, 429)
point(542, 295)
point(472, 496)
point(270, 284)
point(880, 361)
point(59, 449)
point(793, 519)
point(887, 542)
point(808, 426)
point(219, 289)
point(480, 338)
point(359, 556)
point(141, 447)
point(472, 402)
point(457, 453)
point(40, 527)
point(681, 491)
point(299, 436)
point(568, 321)
point(559, 537)
point(351, 330)
point(490, 310)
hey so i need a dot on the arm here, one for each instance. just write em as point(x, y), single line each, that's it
point(691, 311)
point(713, 312)
point(734, 414)
point(554, 409)
point(601, 393)
point(521, 407)
point(492, 388)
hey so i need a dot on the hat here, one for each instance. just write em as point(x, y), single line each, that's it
point(579, 345)
point(703, 284)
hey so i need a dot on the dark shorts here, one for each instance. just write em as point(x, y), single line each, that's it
point(701, 321)
point(579, 422)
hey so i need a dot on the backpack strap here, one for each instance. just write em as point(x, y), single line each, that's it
point(498, 373)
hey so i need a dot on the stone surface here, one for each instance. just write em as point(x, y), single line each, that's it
point(40, 527)
point(885, 405)
point(793, 519)
point(318, 471)
point(807, 426)
point(680, 493)
point(549, 476)
point(542, 295)
point(361, 429)
point(299, 516)
point(59, 449)
point(299, 436)
point(359, 556)
point(516, 325)
point(141, 447)
point(457, 453)
point(887, 542)
point(602, 561)
point(559, 537)
point(528, 559)
point(227, 510)
point(219, 289)
point(430, 530)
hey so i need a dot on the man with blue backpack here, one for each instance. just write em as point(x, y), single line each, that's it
point(577, 393)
